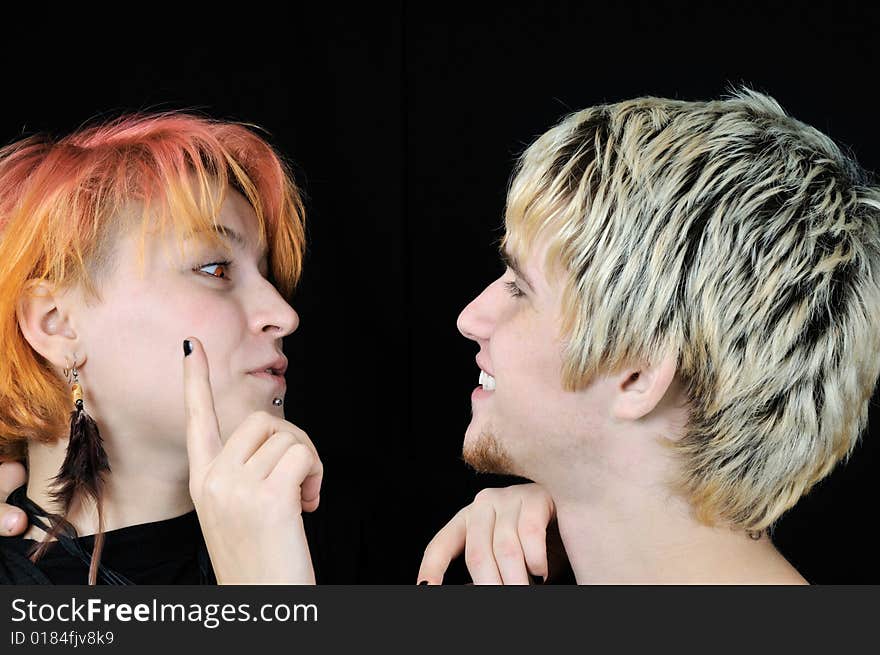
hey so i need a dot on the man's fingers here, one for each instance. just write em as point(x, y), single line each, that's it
point(503, 535)
point(535, 515)
point(202, 431)
point(533, 538)
point(509, 556)
point(12, 520)
point(478, 552)
point(446, 545)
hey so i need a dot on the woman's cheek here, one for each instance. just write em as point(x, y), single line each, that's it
point(203, 316)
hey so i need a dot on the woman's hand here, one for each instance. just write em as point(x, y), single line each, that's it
point(12, 520)
point(503, 535)
point(249, 492)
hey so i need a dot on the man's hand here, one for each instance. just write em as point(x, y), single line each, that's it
point(12, 520)
point(503, 535)
point(249, 492)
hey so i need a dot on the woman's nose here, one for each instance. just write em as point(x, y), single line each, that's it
point(279, 315)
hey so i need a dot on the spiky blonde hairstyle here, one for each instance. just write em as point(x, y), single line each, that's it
point(64, 202)
point(736, 239)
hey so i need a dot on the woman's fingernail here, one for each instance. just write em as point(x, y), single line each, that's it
point(187, 347)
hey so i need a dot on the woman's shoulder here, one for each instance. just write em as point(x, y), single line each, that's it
point(15, 567)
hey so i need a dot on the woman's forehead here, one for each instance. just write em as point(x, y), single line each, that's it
point(235, 225)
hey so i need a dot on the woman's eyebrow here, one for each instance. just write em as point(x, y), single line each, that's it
point(511, 262)
point(230, 234)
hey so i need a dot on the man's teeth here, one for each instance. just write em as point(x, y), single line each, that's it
point(487, 381)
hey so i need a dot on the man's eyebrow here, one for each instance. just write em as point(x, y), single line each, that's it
point(229, 233)
point(510, 261)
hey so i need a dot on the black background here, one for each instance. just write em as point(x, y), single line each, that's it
point(403, 121)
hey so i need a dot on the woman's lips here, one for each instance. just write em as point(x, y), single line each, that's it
point(277, 380)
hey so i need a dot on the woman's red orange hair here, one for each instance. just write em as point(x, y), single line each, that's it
point(64, 202)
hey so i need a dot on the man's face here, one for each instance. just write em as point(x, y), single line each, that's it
point(528, 420)
point(133, 374)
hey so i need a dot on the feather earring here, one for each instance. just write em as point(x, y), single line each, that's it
point(82, 473)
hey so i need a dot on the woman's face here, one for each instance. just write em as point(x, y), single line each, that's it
point(132, 376)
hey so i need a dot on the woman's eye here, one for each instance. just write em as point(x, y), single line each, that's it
point(514, 290)
point(219, 272)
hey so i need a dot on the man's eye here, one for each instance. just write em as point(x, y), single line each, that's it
point(514, 290)
point(222, 267)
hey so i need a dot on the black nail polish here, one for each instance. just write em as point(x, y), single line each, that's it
point(423, 582)
point(187, 347)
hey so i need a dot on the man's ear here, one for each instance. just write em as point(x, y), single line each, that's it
point(639, 390)
point(46, 325)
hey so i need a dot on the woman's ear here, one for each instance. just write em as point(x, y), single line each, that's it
point(639, 390)
point(45, 323)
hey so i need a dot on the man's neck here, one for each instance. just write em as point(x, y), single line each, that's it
point(658, 541)
point(143, 486)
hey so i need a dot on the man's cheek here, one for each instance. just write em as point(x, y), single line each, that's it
point(527, 411)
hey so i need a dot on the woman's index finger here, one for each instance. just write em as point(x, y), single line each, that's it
point(203, 442)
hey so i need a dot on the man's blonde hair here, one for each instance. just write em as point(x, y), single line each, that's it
point(736, 239)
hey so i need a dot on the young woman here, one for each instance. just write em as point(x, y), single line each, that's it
point(117, 243)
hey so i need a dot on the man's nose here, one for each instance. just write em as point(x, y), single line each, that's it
point(476, 320)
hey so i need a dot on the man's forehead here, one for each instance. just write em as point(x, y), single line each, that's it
point(538, 262)
point(515, 264)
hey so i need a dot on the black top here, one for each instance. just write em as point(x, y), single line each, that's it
point(163, 552)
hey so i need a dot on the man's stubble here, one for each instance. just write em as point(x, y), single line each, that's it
point(486, 454)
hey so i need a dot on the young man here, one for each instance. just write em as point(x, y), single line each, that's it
point(685, 340)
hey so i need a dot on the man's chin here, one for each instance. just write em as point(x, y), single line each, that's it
point(485, 454)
